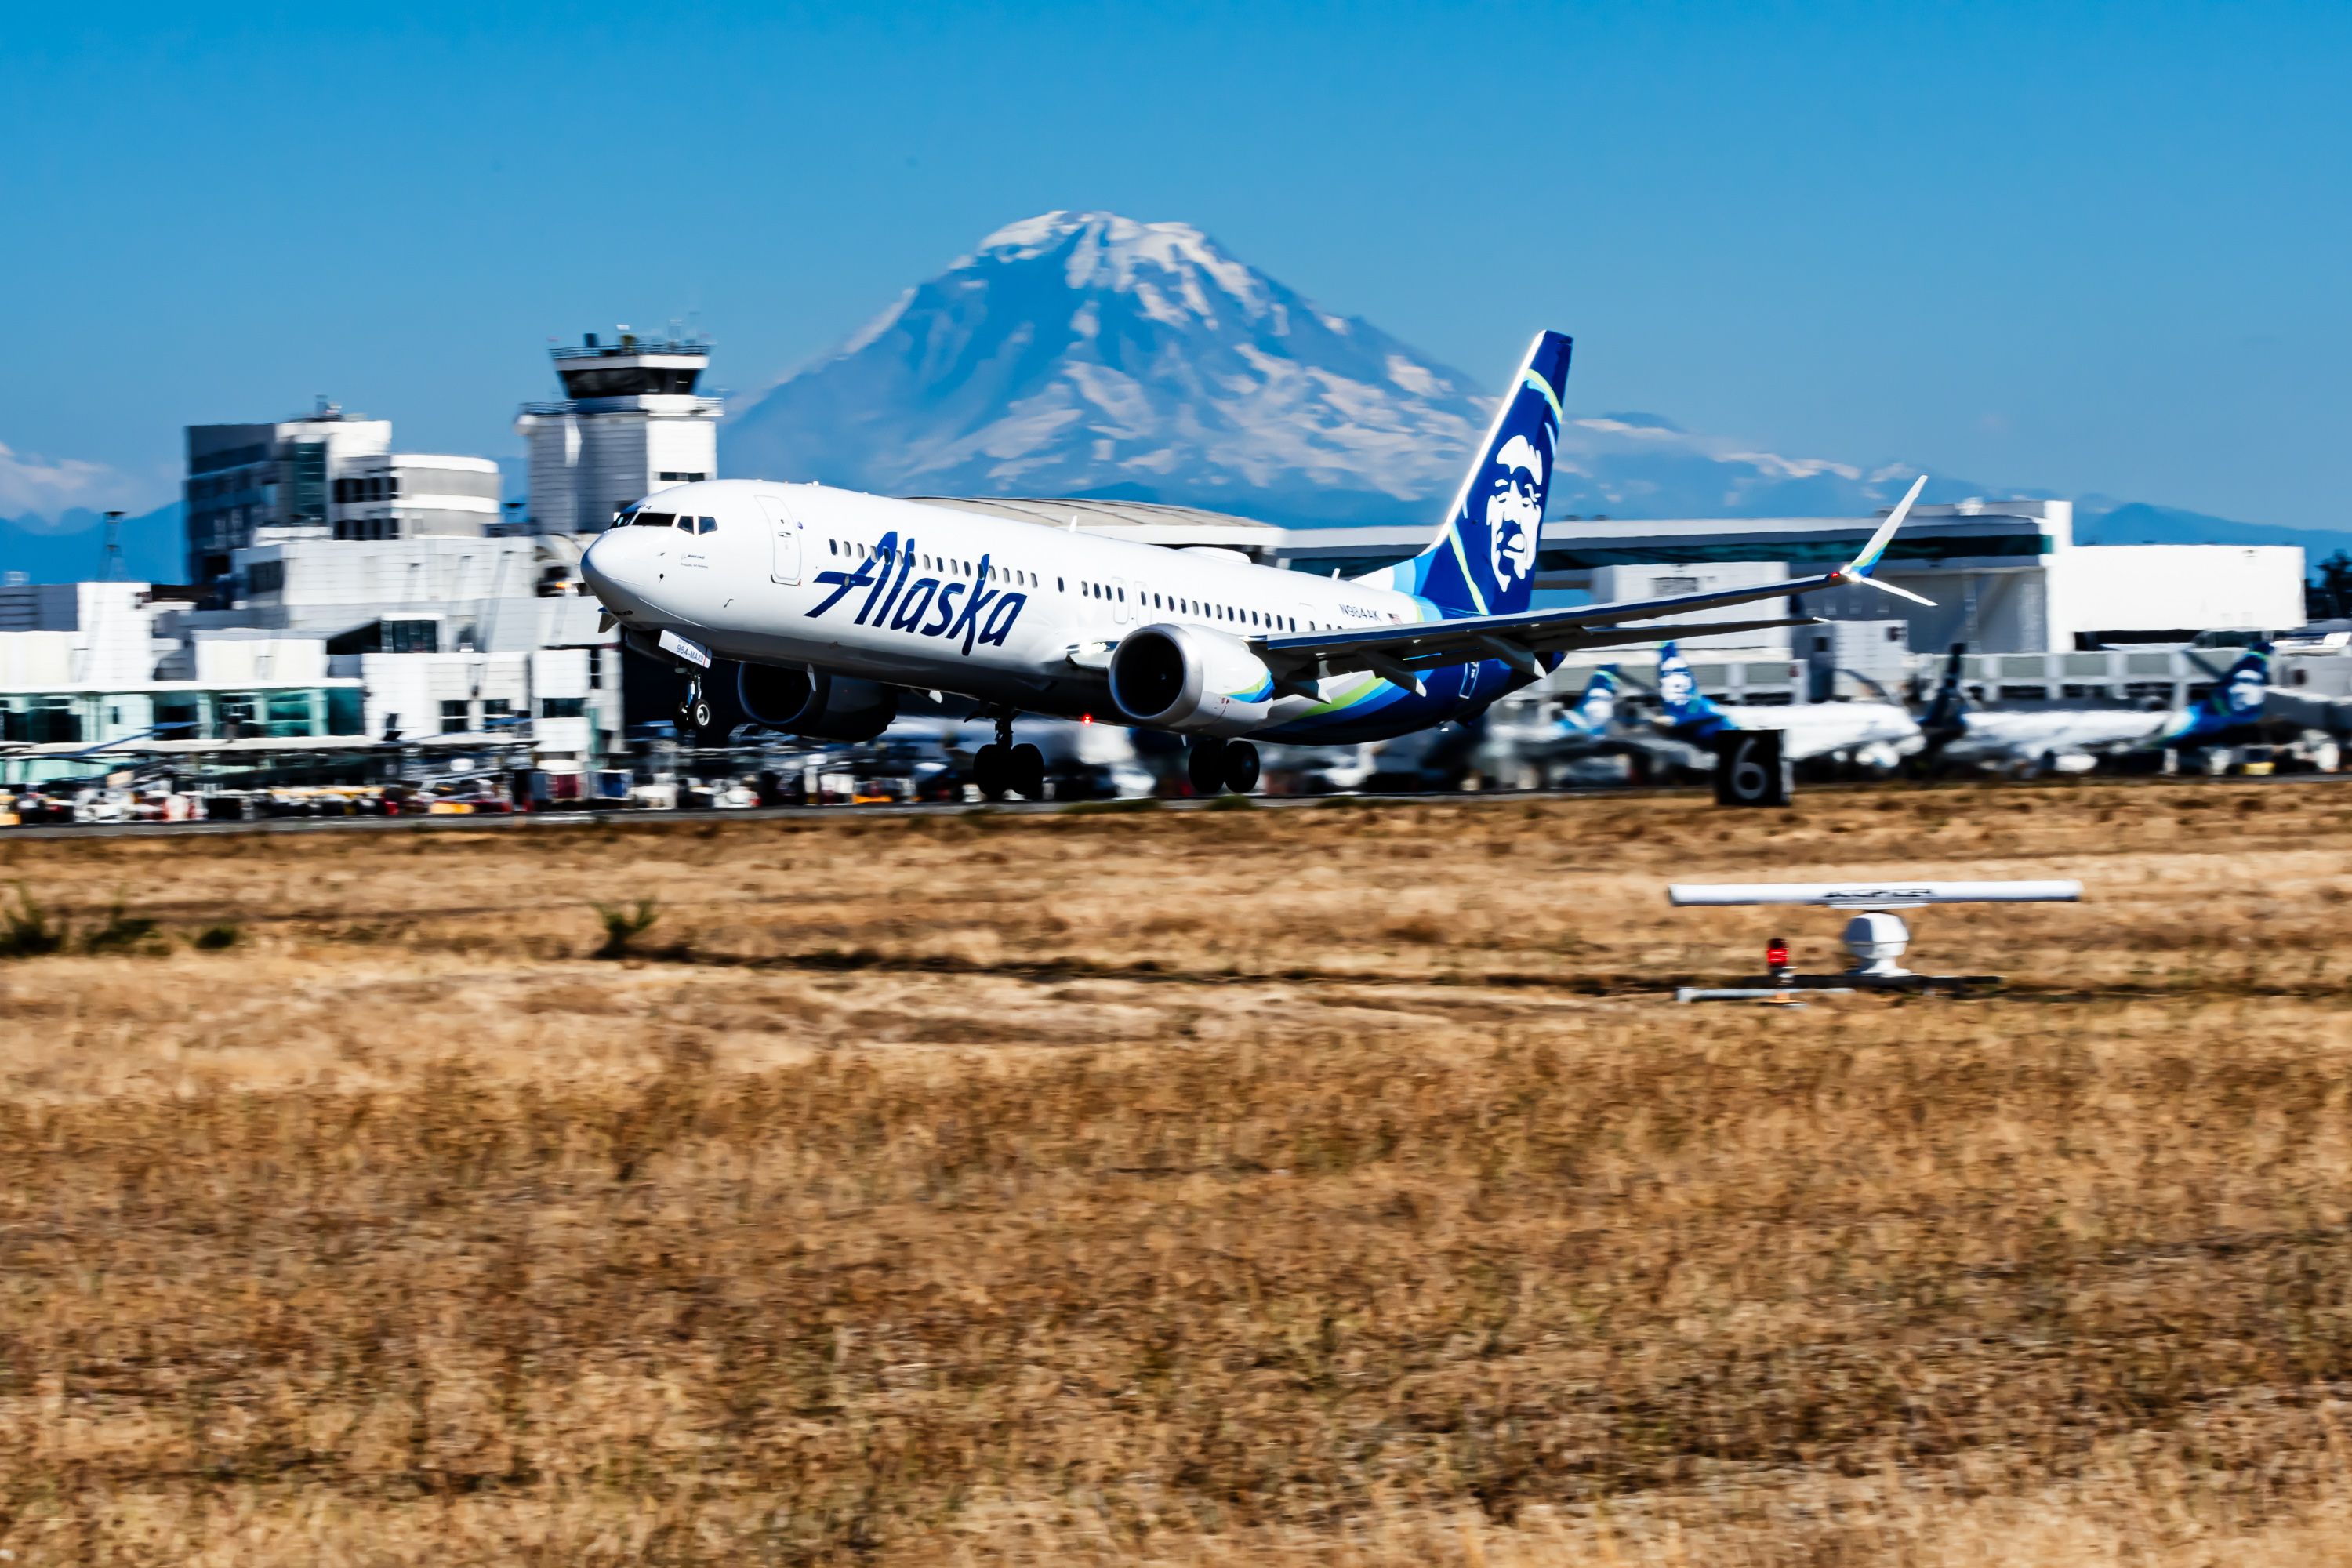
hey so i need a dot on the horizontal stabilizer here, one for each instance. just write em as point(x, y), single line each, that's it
point(1898, 593)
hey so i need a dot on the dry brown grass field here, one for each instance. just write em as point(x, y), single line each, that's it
point(1323, 1185)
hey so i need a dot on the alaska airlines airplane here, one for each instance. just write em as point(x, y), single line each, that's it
point(823, 604)
point(2073, 740)
point(1874, 735)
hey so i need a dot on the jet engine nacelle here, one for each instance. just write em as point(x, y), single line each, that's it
point(1192, 679)
point(811, 702)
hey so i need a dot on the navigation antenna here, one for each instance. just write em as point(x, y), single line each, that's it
point(1875, 936)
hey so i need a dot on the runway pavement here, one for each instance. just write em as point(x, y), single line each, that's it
point(557, 820)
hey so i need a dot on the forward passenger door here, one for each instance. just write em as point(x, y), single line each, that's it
point(785, 530)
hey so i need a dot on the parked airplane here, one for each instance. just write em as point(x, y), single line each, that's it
point(2073, 740)
point(1594, 712)
point(1874, 735)
point(821, 605)
point(2231, 711)
point(1594, 727)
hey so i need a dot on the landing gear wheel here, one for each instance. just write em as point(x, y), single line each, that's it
point(1241, 766)
point(1206, 766)
point(694, 711)
point(990, 765)
point(1026, 771)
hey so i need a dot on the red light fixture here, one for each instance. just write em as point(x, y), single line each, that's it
point(1776, 955)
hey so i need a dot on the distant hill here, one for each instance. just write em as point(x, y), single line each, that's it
point(72, 547)
point(2098, 521)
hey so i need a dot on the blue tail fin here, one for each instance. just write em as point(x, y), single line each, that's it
point(1597, 708)
point(1687, 708)
point(1483, 562)
point(1943, 714)
point(2235, 701)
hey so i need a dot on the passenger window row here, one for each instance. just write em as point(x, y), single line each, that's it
point(929, 563)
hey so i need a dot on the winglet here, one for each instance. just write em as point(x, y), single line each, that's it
point(1859, 569)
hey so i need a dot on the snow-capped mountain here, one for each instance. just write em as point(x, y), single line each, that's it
point(1086, 354)
point(1092, 354)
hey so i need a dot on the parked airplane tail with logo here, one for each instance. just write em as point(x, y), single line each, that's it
point(1594, 712)
point(1692, 713)
point(1943, 719)
point(1483, 561)
point(2234, 702)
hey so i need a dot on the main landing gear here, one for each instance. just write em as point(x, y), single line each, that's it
point(1002, 768)
point(1216, 765)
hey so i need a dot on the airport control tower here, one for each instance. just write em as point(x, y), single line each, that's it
point(631, 424)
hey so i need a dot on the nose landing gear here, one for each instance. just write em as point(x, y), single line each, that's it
point(694, 712)
point(1215, 765)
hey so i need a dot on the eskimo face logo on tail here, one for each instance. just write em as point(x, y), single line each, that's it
point(1483, 562)
point(927, 606)
point(1514, 488)
point(1676, 685)
point(1686, 708)
point(1597, 708)
point(2242, 697)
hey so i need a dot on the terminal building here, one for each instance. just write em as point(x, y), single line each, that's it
point(450, 650)
point(414, 495)
point(330, 476)
point(243, 478)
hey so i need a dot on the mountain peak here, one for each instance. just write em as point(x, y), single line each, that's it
point(1174, 269)
point(1035, 236)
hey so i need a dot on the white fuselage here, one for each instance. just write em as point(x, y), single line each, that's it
point(1998, 738)
point(941, 599)
point(1877, 735)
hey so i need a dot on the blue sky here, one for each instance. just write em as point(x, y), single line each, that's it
point(2083, 248)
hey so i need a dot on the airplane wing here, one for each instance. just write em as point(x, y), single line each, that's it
point(1397, 653)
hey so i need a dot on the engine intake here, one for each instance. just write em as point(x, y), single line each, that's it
point(811, 702)
point(1190, 680)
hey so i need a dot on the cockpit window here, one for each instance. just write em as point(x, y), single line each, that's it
point(622, 519)
point(655, 519)
point(706, 525)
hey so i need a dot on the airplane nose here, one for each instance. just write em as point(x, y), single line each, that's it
point(610, 570)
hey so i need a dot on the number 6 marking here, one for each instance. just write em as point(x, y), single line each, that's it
point(1747, 779)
